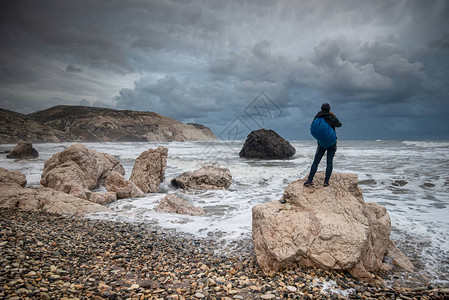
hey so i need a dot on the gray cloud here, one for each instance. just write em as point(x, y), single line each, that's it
point(205, 61)
point(72, 68)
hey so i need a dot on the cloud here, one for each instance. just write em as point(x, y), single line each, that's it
point(179, 98)
point(72, 68)
point(205, 61)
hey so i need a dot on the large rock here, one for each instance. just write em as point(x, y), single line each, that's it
point(7, 176)
point(266, 144)
point(173, 204)
point(46, 200)
point(103, 198)
point(149, 169)
point(77, 170)
point(122, 187)
point(23, 150)
point(327, 227)
point(206, 178)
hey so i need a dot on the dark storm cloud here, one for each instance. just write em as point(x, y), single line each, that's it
point(381, 64)
point(72, 68)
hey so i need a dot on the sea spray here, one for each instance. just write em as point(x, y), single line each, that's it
point(408, 178)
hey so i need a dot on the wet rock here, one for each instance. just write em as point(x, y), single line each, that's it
point(122, 187)
point(399, 182)
point(23, 150)
point(173, 204)
point(266, 144)
point(326, 227)
point(103, 198)
point(78, 169)
point(149, 169)
point(206, 178)
point(399, 258)
point(7, 176)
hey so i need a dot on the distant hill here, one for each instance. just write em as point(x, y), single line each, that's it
point(94, 124)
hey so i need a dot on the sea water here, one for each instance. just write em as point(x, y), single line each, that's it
point(409, 178)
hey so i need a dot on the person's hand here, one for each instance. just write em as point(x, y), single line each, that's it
point(331, 112)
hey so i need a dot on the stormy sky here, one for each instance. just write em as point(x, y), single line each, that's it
point(236, 66)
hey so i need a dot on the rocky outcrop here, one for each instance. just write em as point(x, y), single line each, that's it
point(95, 124)
point(23, 150)
point(17, 177)
point(266, 144)
point(328, 227)
point(121, 187)
point(173, 204)
point(77, 170)
point(45, 200)
point(103, 198)
point(149, 169)
point(206, 178)
point(15, 127)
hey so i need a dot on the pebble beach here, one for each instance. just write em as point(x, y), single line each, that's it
point(49, 256)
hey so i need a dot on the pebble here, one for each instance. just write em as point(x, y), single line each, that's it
point(291, 288)
point(89, 259)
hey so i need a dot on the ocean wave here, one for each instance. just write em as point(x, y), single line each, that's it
point(425, 144)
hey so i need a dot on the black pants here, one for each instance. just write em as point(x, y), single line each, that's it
point(318, 156)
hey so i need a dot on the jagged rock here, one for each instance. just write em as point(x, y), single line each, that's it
point(266, 144)
point(173, 204)
point(327, 227)
point(103, 198)
point(7, 176)
point(149, 169)
point(78, 169)
point(399, 258)
point(46, 200)
point(122, 187)
point(206, 178)
point(23, 150)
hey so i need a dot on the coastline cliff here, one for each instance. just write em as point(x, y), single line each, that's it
point(94, 124)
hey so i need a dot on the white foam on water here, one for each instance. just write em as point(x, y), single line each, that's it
point(411, 179)
point(426, 144)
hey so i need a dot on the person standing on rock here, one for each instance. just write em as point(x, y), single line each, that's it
point(328, 143)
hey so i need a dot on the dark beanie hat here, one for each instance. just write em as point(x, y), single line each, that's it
point(325, 107)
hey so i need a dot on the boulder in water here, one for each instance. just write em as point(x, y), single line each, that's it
point(103, 198)
point(173, 204)
point(77, 170)
point(266, 144)
point(206, 178)
point(23, 150)
point(149, 169)
point(122, 187)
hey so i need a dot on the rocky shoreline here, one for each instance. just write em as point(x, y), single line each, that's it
point(49, 256)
